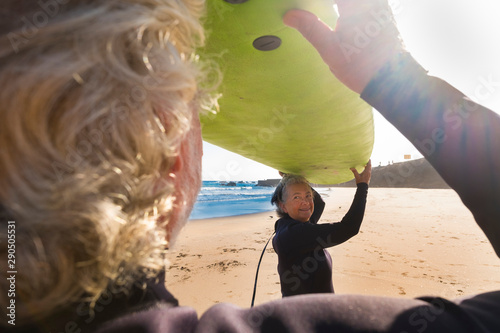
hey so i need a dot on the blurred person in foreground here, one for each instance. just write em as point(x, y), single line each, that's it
point(304, 264)
point(100, 166)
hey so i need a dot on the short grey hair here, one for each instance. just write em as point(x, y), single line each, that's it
point(280, 193)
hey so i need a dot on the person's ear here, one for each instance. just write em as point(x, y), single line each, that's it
point(283, 208)
point(177, 166)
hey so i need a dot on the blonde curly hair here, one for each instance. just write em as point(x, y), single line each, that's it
point(96, 97)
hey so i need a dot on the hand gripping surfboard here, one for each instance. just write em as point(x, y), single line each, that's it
point(280, 105)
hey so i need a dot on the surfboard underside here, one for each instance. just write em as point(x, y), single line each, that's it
point(282, 107)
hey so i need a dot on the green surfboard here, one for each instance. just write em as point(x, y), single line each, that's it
point(281, 105)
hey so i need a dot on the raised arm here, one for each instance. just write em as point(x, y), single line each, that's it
point(460, 138)
point(307, 236)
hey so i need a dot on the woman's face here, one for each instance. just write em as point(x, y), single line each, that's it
point(298, 203)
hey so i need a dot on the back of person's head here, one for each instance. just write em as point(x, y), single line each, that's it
point(280, 193)
point(95, 98)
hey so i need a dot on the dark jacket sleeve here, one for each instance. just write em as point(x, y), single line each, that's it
point(355, 313)
point(307, 236)
point(460, 138)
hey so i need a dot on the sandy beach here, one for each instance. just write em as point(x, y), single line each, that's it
point(413, 242)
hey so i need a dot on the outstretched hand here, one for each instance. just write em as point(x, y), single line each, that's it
point(365, 176)
point(364, 39)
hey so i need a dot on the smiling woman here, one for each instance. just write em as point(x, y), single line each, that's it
point(294, 193)
point(298, 202)
point(304, 265)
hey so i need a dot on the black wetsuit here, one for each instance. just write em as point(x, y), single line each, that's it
point(304, 264)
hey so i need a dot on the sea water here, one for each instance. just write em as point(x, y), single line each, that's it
point(218, 199)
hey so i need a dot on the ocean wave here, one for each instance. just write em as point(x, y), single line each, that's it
point(226, 188)
point(226, 199)
point(231, 193)
point(216, 199)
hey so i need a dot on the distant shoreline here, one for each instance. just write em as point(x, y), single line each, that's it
point(218, 199)
point(410, 174)
point(417, 174)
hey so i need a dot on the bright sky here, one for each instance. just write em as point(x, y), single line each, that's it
point(456, 40)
